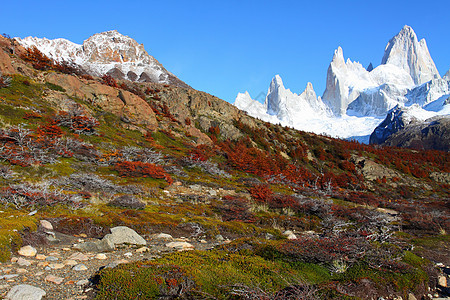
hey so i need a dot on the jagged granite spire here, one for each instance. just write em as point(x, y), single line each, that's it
point(408, 53)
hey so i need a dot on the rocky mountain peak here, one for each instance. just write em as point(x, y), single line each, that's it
point(338, 57)
point(406, 52)
point(111, 46)
point(107, 52)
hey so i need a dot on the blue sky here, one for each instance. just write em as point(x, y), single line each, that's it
point(226, 47)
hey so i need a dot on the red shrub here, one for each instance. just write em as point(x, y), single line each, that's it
point(39, 60)
point(202, 152)
point(235, 209)
point(141, 169)
point(108, 80)
point(261, 193)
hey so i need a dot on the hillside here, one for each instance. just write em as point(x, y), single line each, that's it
point(267, 211)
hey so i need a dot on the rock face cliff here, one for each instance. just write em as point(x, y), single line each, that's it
point(106, 53)
point(434, 134)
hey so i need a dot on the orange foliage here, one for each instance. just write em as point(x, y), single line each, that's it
point(141, 169)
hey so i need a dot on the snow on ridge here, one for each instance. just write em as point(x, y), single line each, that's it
point(102, 53)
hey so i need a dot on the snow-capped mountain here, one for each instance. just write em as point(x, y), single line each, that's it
point(357, 99)
point(106, 53)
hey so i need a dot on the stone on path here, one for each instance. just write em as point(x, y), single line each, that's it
point(142, 250)
point(100, 256)
point(51, 258)
point(180, 245)
point(54, 279)
point(103, 245)
point(124, 235)
point(46, 224)
point(56, 266)
point(25, 292)
point(78, 256)
point(82, 282)
point(164, 236)
point(40, 256)
point(70, 262)
point(80, 267)
point(27, 251)
point(23, 262)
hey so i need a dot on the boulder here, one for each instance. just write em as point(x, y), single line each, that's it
point(124, 235)
point(28, 251)
point(104, 245)
point(25, 292)
point(180, 245)
point(46, 224)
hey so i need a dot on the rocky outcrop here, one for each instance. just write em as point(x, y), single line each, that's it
point(204, 111)
point(401, 129)
point(433, 134)
point(119, 102)
point(5, 60)
point(408, 53)
point(394, 122)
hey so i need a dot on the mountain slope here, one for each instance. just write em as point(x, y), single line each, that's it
point(269, 210)
point(106, 53)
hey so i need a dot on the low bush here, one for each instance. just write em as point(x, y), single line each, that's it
point(127, 201)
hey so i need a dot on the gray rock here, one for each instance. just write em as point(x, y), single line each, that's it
point(52, 240)
point(23, 262)
point(124, 235)
point(164, 236)
point(111, 265)
point(82, 282)
point(9, 276)
point(104, 245)
point(51, 258)
point(25, 292)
